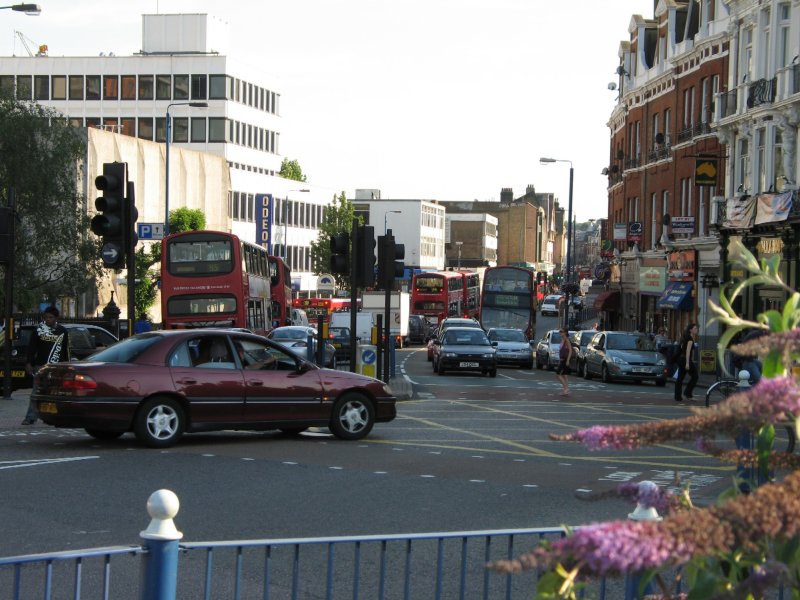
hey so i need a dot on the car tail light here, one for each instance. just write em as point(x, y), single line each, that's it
point(78, 381)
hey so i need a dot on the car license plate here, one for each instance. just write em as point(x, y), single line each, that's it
point(48, 408)
point(641, 370)
point(17, 373)
point(468, 365)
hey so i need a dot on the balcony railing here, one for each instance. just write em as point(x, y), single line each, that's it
point(762, 92)
point(660, 152)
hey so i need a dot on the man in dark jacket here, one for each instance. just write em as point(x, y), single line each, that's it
point(50, 343)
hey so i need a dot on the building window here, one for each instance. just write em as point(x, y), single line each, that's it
point(93, 87)
point(110, 87)
point(127, 126)
point(760, 160)
point(746, 56)
point(667, 117)
point(161, 129)
point(743, 172)
point(653, 219)
point(764, 43)
point(217, 128)
point(219, 87)
point(76, 87)
point(777, 161)
point(199, 85)
point(129, 87)
point(180, 129)
point(93, 122)
point(163, 87)
point(146, 128)
point(75, 122)
point(24, 87)
point(59, 87)
point(198, 129)
point(784, 41)
point(180, 87)
point(41, 87)
point(111, 124)
point(146, 91)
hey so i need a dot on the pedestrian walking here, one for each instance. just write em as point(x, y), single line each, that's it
point(49, 343)
point(564, 356)
point(686, 364)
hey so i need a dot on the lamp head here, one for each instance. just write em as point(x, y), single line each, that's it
point(545, 160)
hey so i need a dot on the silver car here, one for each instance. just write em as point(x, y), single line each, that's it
point(547, 350)
point(513, 348)
point(295, 338)
point(622, 355)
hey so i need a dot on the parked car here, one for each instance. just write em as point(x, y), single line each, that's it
point(579, 341)
point(162, 384)
point(295, 338)
point(339, 338)
point(444, 325)
point(418, 329)
point(513, 348)
point(464, 349)
point(84, 340)
point(622, 355)
point(550, 305)
point(547, 350)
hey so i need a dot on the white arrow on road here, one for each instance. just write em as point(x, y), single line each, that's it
point(18, 464)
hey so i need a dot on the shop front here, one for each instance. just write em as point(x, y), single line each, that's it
point(652, 283)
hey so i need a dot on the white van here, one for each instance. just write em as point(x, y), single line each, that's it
point(363, 324)
point(299, 317)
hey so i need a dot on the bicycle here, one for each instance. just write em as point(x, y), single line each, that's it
point(721, 389)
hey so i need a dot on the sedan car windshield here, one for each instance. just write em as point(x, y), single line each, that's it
point(466, 338)
point(507, 335)
point(629, 342)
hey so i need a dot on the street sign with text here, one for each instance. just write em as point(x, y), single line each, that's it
point(150, 231)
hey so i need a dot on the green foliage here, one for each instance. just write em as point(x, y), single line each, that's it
point(338, 219)
point(40, 157)
point(148, 259)
point(290, 169)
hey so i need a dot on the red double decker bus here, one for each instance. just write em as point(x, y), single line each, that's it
point(280, 278)
point(214, 279)
point(508, 299)
point(441, 294)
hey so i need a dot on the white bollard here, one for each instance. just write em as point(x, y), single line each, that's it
point(162, 506)
point(642, 512)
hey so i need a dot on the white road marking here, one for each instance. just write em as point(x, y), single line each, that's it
point(17, 464)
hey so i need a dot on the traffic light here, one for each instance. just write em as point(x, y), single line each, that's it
point(539, 279)
point(365, 257)
point(340, 254)
point(114, 221)
point(390, 261)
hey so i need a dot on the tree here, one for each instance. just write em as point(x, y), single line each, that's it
point(181, 219)
point(290, 169)
point(40, 157)
point(338, 219)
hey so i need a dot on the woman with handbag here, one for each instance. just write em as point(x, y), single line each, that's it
point(686, 364)
point(564, 354)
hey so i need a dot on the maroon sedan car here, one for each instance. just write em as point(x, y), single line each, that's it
point(163, 384)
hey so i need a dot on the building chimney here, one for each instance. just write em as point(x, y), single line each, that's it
point(507, 195)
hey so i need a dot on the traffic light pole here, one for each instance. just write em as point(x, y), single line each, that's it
point(387, 304)
point(354, 258)
point(9, 291)
point(130, 258)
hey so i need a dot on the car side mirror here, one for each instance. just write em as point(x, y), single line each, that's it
point(495, 344)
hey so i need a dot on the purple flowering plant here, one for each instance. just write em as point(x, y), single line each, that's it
point(748, 542)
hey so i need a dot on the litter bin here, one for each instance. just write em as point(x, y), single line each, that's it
point(367, 360)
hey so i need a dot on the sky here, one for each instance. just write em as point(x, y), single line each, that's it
point(421, 99)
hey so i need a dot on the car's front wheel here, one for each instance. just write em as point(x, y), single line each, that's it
point(606, 376)
point(353, 417)
point(160, 422)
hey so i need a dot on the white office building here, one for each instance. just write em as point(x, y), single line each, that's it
point(183, 61)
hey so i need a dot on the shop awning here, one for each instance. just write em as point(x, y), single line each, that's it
point(677, 296)
point(607, 300)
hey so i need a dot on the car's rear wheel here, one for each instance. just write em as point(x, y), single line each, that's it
point(102, 434)
point(160, 422)
point(353, 417)
point(440, 368)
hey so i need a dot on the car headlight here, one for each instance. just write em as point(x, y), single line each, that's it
point(661, 362)
point(387, 390)
point(619, 361)
point(488, 355)
point(449, 354)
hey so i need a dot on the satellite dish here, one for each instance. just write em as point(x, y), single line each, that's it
point(612, 86)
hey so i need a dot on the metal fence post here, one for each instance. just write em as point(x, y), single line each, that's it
point(744, 441)
point(160, 568)
point(642, 513)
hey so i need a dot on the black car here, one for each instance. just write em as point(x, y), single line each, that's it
point(419, 330)
point(339, 338)
point(464, 349)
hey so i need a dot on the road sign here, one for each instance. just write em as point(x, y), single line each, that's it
point(150, 231)
point(111, 253)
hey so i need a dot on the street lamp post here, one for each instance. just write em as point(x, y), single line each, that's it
point(32, 10)
point(286, 221)
point(545, 160)
point(166, 157)
point(386, 216)
point(458, 245)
